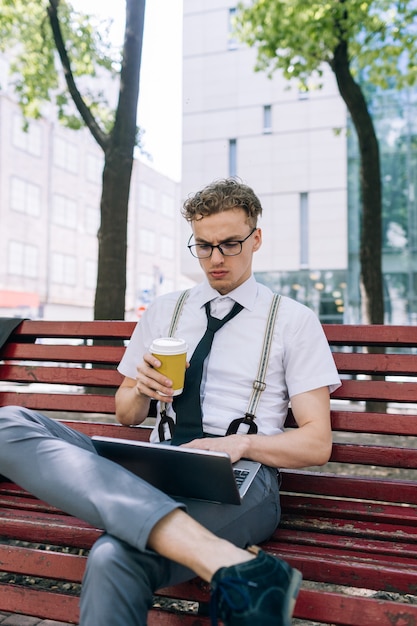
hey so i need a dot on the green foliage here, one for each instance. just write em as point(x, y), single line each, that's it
point(26, 37)
point(298, 36)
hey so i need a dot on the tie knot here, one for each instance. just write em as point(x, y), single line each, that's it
point(214, 324)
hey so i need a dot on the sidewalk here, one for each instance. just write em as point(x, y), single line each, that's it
point(7, 619)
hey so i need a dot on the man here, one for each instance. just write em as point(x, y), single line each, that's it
point(152, 540)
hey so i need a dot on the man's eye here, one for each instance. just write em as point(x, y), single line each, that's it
point(229, 245)
point(204, 247)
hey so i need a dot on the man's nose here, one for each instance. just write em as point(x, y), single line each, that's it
point(217, 256)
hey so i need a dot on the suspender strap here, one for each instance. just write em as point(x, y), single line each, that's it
point(259, 384)
point(166, 423)
point(177, 312)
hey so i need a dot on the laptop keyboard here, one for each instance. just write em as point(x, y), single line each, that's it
point(240, 475)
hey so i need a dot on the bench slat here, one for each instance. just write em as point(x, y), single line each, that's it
point(38, 603)
point(25, 502)
point(56, 565)
point(337, 334)
point(304, 507)
point(36, 527)
point(351, 528)
point(383, 456)
point(327, 484)
point(394, 364)
point(364, 545)
point(60, 375)
point(63, 353)
point(371, 335)
point(377, 390)
point(332, 608)
point(88, 403)
point(98, 329)
point(374, 423)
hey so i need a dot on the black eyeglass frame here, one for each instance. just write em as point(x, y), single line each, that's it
point(219, 246)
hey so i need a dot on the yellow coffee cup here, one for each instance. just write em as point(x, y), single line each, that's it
point(172, 352)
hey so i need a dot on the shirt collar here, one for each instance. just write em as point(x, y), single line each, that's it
point(245, 294)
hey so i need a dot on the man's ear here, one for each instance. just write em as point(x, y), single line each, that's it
point(257, 239)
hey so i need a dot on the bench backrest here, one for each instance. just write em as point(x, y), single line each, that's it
point(70, 367)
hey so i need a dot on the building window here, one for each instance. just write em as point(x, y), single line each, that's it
point(267, 118)
point(167, 248)
point(92, 220)
point(231, 40)
point(90, 274)
point(64, 269)
point(23, 259)
point(94, 169)
point(25, 197)
point(65, 155)
point(304, 252)
point(64, 211)
point(147, 196)
point(167, 206)
point(232, 157)
point(29, 140)
point(147, 241)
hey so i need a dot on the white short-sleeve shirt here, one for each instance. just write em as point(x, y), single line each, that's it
point(300, 358)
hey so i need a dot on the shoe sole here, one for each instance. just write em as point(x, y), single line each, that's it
point(291, 596)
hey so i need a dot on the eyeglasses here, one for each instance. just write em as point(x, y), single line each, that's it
point(227, 248)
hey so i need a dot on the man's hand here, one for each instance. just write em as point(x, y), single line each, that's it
point(150, 383)
point(234, 445)
point(134, 394)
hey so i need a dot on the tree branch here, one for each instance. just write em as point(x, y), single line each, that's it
point(126, 112)
point(99, 135)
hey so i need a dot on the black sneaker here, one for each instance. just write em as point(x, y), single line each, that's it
point(260, 592)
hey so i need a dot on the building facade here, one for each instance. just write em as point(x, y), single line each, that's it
point(288, 145)
point(50, 188)
point(299, 152)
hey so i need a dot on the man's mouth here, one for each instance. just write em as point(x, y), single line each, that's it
point(218, 273)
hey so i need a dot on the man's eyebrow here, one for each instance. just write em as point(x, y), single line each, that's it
point(231, 238)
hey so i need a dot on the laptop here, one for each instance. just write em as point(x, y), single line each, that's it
point(182, 472)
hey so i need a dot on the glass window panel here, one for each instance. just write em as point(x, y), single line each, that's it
point(267, 118)
point(304, 219)
point(232, 157)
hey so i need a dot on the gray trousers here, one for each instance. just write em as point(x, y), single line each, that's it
point(59, 465)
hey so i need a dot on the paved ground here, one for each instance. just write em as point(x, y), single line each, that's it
point(25, 620)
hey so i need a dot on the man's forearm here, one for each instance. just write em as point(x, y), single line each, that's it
point(132, 407)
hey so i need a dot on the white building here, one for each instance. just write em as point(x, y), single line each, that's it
point(50, 187)
point(281, 142)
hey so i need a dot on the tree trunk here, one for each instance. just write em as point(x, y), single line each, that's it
point(370, 184)
point(118, 147)
point(112, 237)
point(111, 277)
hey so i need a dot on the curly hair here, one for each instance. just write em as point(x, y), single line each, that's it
point(223, 195)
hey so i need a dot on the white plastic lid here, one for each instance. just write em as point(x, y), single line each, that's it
point(168, 345)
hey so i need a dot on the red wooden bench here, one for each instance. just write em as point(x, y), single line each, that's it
point(350, 527)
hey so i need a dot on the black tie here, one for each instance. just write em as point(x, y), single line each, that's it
point(187, 405)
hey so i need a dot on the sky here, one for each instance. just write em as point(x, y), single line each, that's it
point(159, 110)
